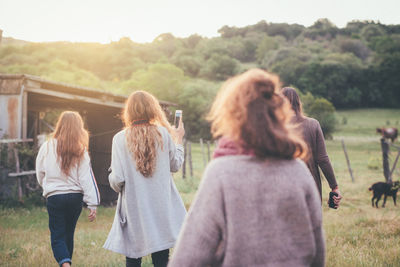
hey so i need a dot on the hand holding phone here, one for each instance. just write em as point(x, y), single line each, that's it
point(178, 116)
point(331, 201)
point(179, 129)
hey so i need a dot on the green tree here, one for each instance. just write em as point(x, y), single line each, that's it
point(289, 69)
point(165, 81)
point(195, 101)
point(334, 79)
point(167, 44)
point(357, 47)
point(229, 32)
point(208, 47)
point(289, 32)
point(266, 45)
point(190, 64)
point(241, 49)
point(192, 41)
point(219, 67)
point(322, 29)
point(371, 31)
point(323, 111)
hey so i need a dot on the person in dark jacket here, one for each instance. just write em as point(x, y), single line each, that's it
point(313, 136)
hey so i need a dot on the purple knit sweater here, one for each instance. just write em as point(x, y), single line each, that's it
point(249, 212)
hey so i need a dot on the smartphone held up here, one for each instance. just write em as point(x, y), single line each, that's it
point(178, 115)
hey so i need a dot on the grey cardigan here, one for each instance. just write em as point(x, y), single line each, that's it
point(249, 212)
point(150, 211)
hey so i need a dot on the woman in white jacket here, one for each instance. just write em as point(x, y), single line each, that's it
point(63, 170)
point(150, 211)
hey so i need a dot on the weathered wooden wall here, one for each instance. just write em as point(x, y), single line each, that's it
point(10, 108)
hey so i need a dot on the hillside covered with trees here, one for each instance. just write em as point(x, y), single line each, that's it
point(354, 66)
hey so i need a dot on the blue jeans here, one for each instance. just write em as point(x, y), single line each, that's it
point(64, 211)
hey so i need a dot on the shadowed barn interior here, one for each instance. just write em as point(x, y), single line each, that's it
point(25, 100)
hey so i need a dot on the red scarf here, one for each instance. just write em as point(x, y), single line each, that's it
point(227, 147)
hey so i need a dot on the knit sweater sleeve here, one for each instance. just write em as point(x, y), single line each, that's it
point(322, 158)
point(203, 230)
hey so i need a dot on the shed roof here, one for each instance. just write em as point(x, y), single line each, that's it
point(65, 90)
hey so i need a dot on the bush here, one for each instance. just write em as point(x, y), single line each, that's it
point(195, 101)
point(323, 111)
point(307, 100)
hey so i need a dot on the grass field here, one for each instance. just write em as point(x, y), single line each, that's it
point(356, 234)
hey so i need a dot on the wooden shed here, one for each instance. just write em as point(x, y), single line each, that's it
point(25, 98)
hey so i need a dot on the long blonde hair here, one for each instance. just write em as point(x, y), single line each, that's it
point(250, 110)
point(142, 115)
point(72, 140)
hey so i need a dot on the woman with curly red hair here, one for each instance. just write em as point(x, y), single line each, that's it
point(257, 204)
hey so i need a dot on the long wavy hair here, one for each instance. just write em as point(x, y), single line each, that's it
point(142, 114)
point(250, 110)
point(72, 140)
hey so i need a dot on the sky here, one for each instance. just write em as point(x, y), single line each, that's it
point(108, 20)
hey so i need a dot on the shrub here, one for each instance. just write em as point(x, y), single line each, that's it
point(323, 111)
point(307, 100)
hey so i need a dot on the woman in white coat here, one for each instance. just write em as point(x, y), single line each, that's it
point(150, 211)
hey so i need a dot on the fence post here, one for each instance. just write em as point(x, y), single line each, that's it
point(17, 170)
point(202, 152)
point(385, 160)
point(348, 161)
point(395, 163)
point(190, 159)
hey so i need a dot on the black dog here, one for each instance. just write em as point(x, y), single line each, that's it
point(387, 189)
